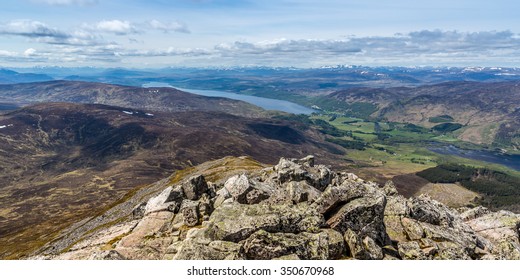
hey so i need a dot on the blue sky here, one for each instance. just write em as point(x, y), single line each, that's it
point(157, 33)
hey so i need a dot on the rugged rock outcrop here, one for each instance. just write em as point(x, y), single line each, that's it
point(299, 210)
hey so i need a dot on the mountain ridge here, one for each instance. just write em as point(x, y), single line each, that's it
point(293, 210)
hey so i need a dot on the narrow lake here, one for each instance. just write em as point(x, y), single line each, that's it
point(265, 103)
point(511, 161)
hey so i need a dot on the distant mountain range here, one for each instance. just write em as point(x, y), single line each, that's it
point(12, 77)
point(324, 78)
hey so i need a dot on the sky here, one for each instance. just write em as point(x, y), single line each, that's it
point(223, 33)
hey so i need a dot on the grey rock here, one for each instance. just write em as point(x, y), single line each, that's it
point(389, 189)
point(289, 170)
point(308, 161)
point(364, 216)
point(235, 222)
point(362, 248)
point(139, 211)
point(411, 251)
point(349, 190)
point(474, 213)
point(107, 255)
point(216, 250)
point(245, 191)
point(430, 211)
point(263, 245)
point(194, 187)
point(190, 212)
point(159, 203)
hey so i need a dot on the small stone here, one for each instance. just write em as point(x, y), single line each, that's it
point(190, 212)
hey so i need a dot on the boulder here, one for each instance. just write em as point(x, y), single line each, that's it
point(474, 213)
point(431, 211)
point(362, 248)
point(411, 251)
point(169, 199)
point(296, 170)
point(107, 255)
point(139, 211)
point(190, 212)
point(215, 250)
point(364, 216)
point(349, 190)
point(236, 222)
point(501, 229)
point(263, 245)
point(288, 170)
point(194, 187)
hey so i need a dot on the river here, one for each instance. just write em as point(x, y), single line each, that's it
point(511, 161)
point(265, 103)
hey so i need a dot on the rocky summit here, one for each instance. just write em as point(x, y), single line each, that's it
point(294, 210)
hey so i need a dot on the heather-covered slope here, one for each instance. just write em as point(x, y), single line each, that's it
point(63, 162)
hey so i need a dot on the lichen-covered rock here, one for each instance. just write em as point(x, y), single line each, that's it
point(288, 170)
point(502, 230)
point(194, 187)
point(362, 248)
point(161, 203)
point(293, 192)
point(336, 243)
point(430, 211)
point(235, 222)
point(190, 212)
point(389, 189)
point(238, 187)
point(349, 190)
point(318, 176)
point(473, 213)
point(107, 255)
point(139, 211)
point(364, 216)
point(215, 250)
point(411, 251)
point(263, 245)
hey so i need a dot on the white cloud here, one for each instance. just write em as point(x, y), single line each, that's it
point(30, 28)
point(168, 26)
point(117, 27)
point(29, 52)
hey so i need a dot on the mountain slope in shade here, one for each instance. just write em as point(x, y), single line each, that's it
point(156, 99)
point(62, 162)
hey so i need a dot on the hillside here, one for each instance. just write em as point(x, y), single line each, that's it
point(486, 112)
point(236, 209)
point(156, 99)
point(63, 162)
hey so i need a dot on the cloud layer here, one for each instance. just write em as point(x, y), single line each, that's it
point(102, 41)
